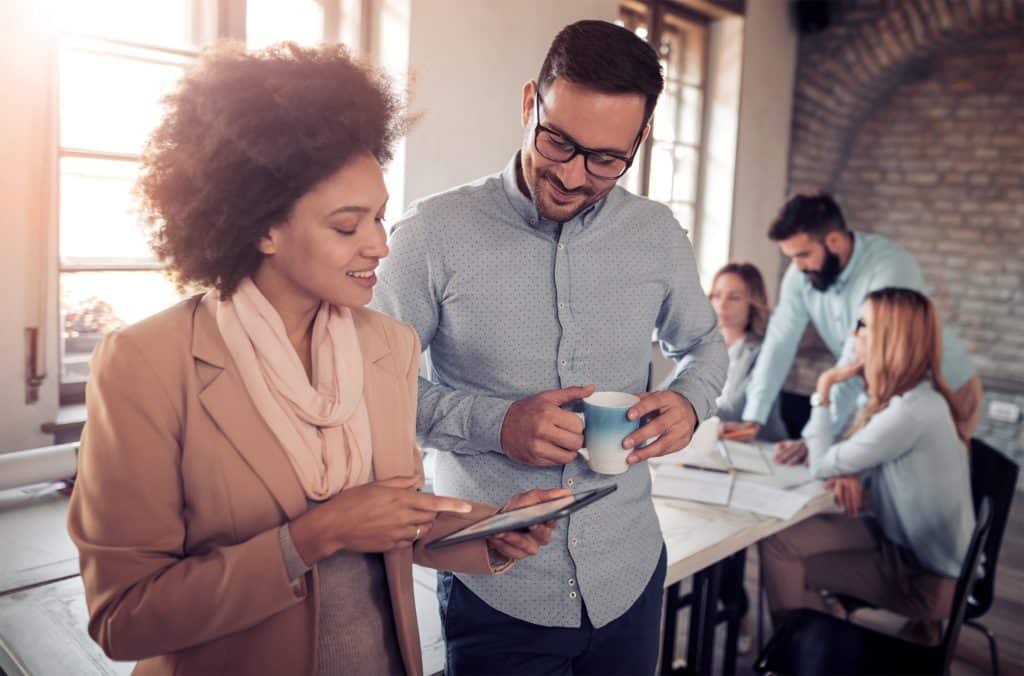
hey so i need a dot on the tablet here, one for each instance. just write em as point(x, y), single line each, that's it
point(523, 517)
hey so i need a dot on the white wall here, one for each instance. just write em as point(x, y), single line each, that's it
point(468, 61)
point(725, 62)
point(25, 224)
point(769, 66)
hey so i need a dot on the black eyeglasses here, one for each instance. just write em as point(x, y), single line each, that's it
point(859, 325)
point(554, 146)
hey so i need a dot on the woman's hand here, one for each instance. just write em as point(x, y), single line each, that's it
point(838, 374)
point(518, 545)
point(376, 517)
point(790, 452)
point(848, 492)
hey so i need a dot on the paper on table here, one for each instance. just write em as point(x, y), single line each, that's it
point(746, 457)
point(787, 476)
point(673, 481)
point(702, 451)
point(764, 498)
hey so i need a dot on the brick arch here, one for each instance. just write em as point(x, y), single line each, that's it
point(874, 50)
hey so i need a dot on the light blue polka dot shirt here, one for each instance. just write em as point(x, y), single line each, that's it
point(508, 305)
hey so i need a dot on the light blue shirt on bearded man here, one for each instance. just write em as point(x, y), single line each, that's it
point(876, 263)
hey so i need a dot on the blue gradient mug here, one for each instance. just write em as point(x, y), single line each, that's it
point(605, 426)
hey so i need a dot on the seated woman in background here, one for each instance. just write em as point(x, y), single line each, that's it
point(739, 299)
point(906, 553)
point(247, 494)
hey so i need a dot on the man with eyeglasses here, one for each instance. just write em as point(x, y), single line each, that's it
point(833, 269)
point(531, 288)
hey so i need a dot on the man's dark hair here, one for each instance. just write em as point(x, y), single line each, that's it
point(605, 57)
point(815, 215)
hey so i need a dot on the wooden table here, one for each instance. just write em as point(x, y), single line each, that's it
point(42, 606)
point(700, 538)
point(43, 616)
point(34, 541)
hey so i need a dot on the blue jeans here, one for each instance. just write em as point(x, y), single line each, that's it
point(483, 641)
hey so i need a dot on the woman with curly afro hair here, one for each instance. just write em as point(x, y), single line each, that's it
point(247, 497)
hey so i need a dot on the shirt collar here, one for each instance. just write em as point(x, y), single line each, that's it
point(852, 264)
point(524, 205)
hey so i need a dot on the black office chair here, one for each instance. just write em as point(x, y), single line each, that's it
point(810, 642)
point(993, 475)
point(796, 411)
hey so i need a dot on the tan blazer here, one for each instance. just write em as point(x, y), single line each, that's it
point(181, 489)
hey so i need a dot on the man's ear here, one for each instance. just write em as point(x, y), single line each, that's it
point(834, 240)
point(643, 136)
point(529, 91)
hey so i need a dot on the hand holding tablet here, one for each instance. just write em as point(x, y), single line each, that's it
point(524, 517)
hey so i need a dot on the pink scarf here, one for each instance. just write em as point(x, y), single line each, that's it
point(324, 427)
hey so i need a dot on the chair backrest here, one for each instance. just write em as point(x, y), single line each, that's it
point(968, 575)
point(796, 410)
point(994, 476)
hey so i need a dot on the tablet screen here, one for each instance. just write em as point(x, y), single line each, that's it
point(508, 520)
point(523, 517)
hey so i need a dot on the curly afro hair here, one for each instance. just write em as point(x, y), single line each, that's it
point(244, 136)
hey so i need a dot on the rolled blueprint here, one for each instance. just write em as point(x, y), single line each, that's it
point(38, 465)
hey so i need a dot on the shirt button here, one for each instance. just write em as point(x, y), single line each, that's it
point(533, 221)
point(574, 542)
point(561, 306)
point(572, 582)
point(570, 482)
point(561, 246)
point(563, 362)
point(572, 595)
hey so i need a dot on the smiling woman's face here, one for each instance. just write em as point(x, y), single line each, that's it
point(334, 238)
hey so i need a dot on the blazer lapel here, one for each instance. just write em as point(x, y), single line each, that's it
point(385, 401)
point(388, 409)
point(225, 398)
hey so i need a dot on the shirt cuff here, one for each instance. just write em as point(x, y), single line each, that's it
point(817, 434)
point(702, 406)
point(752, 412)
point(293, 563)
point(499, 563)
point(486, 419)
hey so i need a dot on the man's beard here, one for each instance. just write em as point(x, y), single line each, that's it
point(547, 213)
point(828, 274)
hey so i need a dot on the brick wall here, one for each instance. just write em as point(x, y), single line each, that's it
point(940, 169)
point(912, 113)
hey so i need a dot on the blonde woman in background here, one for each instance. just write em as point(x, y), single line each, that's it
point(905, 553)
point(741, 304)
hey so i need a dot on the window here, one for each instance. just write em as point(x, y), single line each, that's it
point(113, 73)
point(117, 59)
point(669, 165)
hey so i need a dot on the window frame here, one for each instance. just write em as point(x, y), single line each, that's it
point(207, 23)
point(654, 12)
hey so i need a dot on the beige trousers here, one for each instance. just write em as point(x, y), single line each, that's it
point(841, 554)
point(967, 401)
